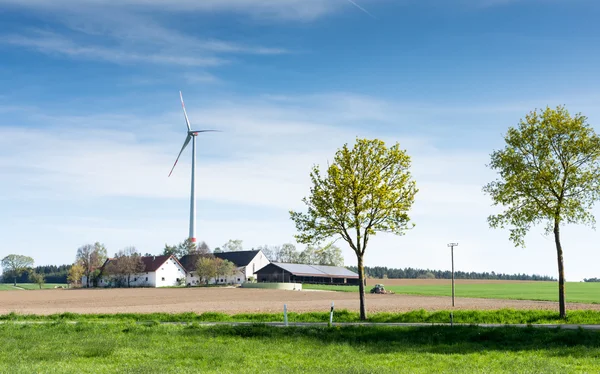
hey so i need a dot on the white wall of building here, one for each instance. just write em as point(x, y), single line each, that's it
point(258, 262)
point(238, 277)
point(166, 275)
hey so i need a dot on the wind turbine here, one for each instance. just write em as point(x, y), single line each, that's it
point(191, 135)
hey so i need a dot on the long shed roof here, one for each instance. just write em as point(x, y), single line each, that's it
point(315, 270)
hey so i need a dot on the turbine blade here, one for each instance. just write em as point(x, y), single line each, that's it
point(187, 121)
point(199, 131)
point(187, 141)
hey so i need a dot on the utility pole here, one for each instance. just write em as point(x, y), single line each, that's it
point(452, 245)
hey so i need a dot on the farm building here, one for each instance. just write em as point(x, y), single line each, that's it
point(159, 271)
point(301, 273)
point(246, 262)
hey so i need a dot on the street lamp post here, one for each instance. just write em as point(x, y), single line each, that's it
point(452, 245)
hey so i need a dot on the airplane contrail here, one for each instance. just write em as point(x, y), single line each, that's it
point(361, 8)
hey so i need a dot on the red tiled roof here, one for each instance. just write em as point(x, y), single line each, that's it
point(151, 263)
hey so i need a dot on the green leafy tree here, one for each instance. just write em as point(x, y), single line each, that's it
point(549, 174)
point(206, 268)
point(187, 247)
point(367, 189)
point(91, 258)
point(15, 265)
point(308, 255)
point(232, 246)
point(37, 278)
point(224, 268)
point(329, 255)
point(288, 254)
point(75, 274)
point(171, 250)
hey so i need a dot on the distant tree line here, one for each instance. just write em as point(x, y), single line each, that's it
point(52, 274)
point(591, 279)
point(328, 254)
point(381, 272)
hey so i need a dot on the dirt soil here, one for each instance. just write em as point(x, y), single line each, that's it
point(235, 300)
point(436, 282)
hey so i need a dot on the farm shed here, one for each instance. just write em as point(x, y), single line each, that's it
point(301, 273)
point(246, 263)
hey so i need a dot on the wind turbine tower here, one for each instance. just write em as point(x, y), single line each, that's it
point(191, 135)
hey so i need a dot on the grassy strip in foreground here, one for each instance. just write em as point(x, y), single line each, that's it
point(577, 292)
point(126, 347)
point(29, 286)
point(505, 316)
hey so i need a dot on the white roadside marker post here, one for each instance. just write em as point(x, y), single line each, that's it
point(331, 315)
point(285, 320)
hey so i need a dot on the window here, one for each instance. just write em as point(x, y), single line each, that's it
point(135, 279)
point(146, 279)
point(163, 278)
point(238, 279)
point(191, 274)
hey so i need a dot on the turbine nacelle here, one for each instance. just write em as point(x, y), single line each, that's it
point(190, 133)
point(196, 132)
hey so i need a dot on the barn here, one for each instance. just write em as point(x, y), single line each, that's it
point(246, 262)
point(302, 273)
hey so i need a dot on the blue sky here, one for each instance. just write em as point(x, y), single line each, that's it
point(90, 121)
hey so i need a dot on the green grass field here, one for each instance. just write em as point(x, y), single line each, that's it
point(576, 292)
point(501, 316)
point(152, 348)
point(28, 286)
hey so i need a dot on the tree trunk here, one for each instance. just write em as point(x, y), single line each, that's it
point(361, 288)
point(561, 272)
point(15, 282)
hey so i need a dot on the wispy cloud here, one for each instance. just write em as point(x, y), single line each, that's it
point(202, 77)
point(361, 8)
point(125, 36)
point(303, 10)
point(55, 44)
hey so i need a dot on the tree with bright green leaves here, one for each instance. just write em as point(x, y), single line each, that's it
point(15, 265)
point(37, 278)
point(549, 173)
point(75, 274)
point(367, 189)
point(225, 268)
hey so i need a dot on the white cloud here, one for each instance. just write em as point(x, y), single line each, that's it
point(201, 77)
point(55, 44)
point(279, 9)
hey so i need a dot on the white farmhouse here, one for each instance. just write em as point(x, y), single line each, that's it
point(159, 271)
point(246, 262)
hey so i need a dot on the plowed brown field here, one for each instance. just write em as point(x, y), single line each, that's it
point(436, 282)
point(234, 300)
